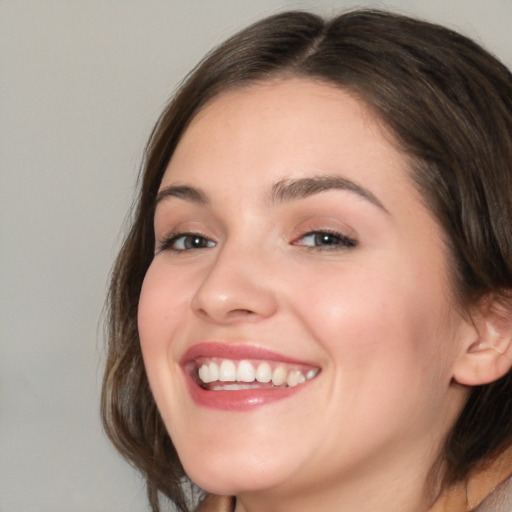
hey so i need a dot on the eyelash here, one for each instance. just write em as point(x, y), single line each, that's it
point(341, 241)
point(170, 240)
point(334, 241)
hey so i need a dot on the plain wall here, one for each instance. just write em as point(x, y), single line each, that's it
point(81, 83)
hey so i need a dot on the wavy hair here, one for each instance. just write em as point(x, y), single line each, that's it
point(449, 104)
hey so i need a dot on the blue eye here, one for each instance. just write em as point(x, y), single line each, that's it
point(185, 242)
point(325, 240)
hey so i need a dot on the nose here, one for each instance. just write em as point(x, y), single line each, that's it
point(235, 288)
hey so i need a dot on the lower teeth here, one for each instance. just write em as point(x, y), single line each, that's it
point(231, 387)
point(238, 387)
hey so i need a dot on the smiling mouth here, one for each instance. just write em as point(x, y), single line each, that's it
point(216, 374)
point(242, 377)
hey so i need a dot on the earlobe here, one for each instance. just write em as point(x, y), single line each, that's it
point(488, 356)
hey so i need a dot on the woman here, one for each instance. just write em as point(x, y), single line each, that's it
point(312, 310)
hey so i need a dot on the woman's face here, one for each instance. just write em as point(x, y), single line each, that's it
point(292, 247)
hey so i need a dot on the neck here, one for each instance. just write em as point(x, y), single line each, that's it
point(414, 489)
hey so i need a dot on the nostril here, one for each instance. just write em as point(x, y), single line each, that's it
point(233, 312)
point(241, 312)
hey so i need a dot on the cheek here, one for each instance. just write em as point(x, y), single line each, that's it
point(162, 299)
point(158, 310)
point(378, 319)
point(160, 323)
point(152, 315)
point(382, 340)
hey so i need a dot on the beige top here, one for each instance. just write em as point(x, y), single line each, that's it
point(489, 489)
point(482, 487)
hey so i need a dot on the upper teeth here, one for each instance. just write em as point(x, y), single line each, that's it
point(227, 370)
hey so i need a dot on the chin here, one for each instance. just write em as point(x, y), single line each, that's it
point(227, 480)
point(230, 472)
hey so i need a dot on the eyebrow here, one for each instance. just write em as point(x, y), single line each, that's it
point(300, 188)
point(287, 189)
point(185, 192)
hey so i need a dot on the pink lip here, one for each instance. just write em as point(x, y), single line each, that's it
point(236, 352)
point(241, 400)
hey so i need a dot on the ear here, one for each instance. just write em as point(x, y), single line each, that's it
point(487, 355)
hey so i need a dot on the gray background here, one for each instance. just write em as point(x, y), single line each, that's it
point(81, 83)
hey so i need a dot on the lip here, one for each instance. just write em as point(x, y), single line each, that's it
point(241, 400)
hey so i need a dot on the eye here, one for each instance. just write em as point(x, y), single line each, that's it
point(325, 240)
point(185, 241)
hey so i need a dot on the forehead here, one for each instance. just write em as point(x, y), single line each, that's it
point(281, 129)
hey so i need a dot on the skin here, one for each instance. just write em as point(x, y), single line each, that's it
point(377, 317)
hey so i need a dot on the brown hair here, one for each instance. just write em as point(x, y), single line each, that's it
point(448, 103)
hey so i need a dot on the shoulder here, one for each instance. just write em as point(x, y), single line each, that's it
point(500, 500)
point(487, 489)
